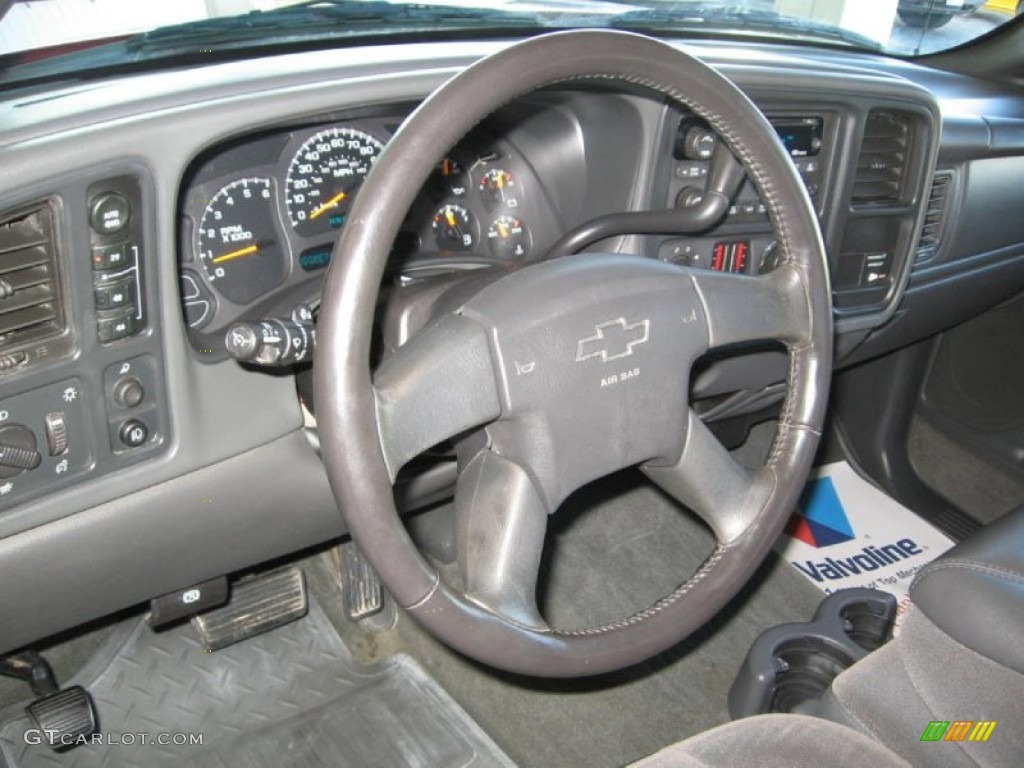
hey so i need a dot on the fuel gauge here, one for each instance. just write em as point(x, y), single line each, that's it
point(453, 228)
point(509, 237)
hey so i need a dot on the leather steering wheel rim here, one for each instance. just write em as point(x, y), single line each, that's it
point(357, 414)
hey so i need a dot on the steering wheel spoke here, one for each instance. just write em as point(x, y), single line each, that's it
point(742, 308)
point(500, 522)
point(438, 385)
point(708, 480)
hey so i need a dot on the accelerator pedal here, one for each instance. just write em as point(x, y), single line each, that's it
point(257, 605)
point(361, 590)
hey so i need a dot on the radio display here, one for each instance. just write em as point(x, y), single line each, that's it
point(800, 136)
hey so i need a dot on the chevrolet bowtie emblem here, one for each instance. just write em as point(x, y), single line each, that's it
point(613, 340)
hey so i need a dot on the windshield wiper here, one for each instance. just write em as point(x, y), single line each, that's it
point(692, 17)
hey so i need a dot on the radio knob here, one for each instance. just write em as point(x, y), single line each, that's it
point(689, 197)
point(699, 143)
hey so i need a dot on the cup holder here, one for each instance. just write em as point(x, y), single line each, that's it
point(790, 666)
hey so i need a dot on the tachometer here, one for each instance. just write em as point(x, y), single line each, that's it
point(238, 243)
point(323, 178)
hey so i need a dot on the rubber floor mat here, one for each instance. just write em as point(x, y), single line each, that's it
point(290, 697)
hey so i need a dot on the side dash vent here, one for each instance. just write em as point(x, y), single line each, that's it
point(935, 215)
point(30, 308)
point(882, 162)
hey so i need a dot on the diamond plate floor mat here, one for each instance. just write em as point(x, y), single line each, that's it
point(290, 697)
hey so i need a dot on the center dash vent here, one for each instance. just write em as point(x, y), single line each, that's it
point(30, 307)
point(935, 215)
point(882, 163)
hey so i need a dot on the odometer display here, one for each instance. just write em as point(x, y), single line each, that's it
point(323, 177)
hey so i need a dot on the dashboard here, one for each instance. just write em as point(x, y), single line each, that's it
point(259, 216)
point(142, 218)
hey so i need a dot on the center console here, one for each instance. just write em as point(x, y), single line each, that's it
point(864, 166)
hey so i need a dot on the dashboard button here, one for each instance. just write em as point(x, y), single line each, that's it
point(109, 213)
point(133, 433)
point(116, 326)
point(111, 256)
point(114, 295)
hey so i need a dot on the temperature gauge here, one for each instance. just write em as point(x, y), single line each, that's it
point(453, 228)
point(509, 237)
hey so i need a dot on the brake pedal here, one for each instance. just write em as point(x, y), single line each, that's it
point(63, 717)
point(362, 595)
point(257, 605)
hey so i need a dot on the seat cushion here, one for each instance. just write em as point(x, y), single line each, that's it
point(975, 592)
point(776, 741)
point(924, 675)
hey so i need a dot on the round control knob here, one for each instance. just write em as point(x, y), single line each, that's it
point(699, 143)
point(17, 450)
point(133, 433)
point(128, 392)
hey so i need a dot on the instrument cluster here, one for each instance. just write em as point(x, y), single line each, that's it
point(259, 216)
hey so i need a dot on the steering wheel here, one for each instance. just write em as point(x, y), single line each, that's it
point(564, 371)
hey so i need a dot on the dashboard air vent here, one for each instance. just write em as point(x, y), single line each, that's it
point(29, 297)
point(935, 215)
point(883, 158)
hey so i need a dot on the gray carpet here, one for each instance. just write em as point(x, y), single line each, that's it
point(618, 546)
point(978, 488)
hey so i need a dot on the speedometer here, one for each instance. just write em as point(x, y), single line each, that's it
point(323, 178)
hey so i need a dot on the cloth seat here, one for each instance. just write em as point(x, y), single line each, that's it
point(776, 741)
point(958, 659)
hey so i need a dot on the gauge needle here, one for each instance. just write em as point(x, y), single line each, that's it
point(503, 230)
point(329, 204)
point(450, 218)
point(249, 249)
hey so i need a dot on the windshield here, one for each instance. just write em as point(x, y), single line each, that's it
point(34, 30)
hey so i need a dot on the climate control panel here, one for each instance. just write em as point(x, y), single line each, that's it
point(43, 439)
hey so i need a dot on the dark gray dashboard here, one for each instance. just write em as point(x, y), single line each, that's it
point(226, 477)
